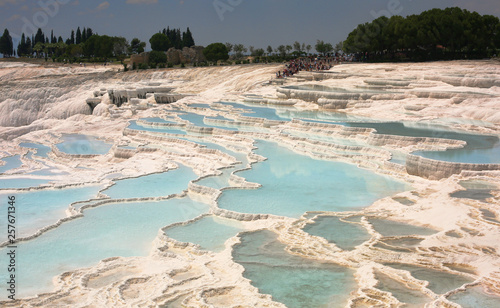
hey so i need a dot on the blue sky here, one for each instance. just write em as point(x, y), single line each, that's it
point(257, 23)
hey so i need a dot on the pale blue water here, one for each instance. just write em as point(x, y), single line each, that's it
point(197, 120)
point(41, 150)
point(474, 298)
point(479, 149)
point(210, 232)
point(396, 228)
point(292, 280)
point(83, 144)
point(133, 125)
point(154, 185)
point(256, 112)
point(220, 118)
point(157, 120)
point(410, 297)
point(439, 282)
point(345, 235)
point(199, 105)
point(294, 184)
point(40, 208)
point(21, 182)
point(124, 229)
point(217, 181)
point(467, 155)
point(11, 162)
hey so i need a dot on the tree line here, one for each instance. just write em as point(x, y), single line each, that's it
point(437, 34)
point(90, 45)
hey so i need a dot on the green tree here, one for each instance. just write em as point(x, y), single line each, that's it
point(157, 57)
point(53, 39)
point(269, 50)
point(281, 50)
point(215, 52)
point(297, 47)
point(160, 42)
point(89, 33)
point(78, 38)
point(39, 37)
point(22, 48)
point(38, 49)
point(187, 38)
point(323, 48)
point(136, 46)
point(239, 49)
point(229, 47)
point(6, 45)
point(120, 46)
point(84, 35)
point(29, 47)
point(259, 52)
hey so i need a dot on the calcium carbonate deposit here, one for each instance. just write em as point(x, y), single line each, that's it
point(369, 185)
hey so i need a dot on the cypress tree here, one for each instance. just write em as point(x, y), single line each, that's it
point(187, 38)
point(72, 38)
point(78, 36)
point(29, 48)
point(178, 39)
point(84, 35)
point(6, 45)
point(89, 33)
point(39, 37)
point(22, 46)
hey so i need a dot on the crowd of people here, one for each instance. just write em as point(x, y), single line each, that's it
point(312, 63)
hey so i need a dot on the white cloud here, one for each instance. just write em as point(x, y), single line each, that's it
point(14, 18)
point(142, 1)
point(5, 2)
point(102, 6)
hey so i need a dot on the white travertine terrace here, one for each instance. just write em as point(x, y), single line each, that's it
point(180, 274)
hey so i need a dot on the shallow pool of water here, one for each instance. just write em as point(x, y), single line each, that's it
point(157, 120)
point(21, 182)
point(11, 162)
point(153, 185)
point(475, 297)
point(396, 228)
point(197, 120)
point(83, 145)
point(479, 148)
point(133, 125)
point(410, 297)
point(40, 208)
point(345, 235)
point(209, 232)
point(439, 282)
point(291, 280)
point(124, 229)
point(41, 150)
point(293, 184)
